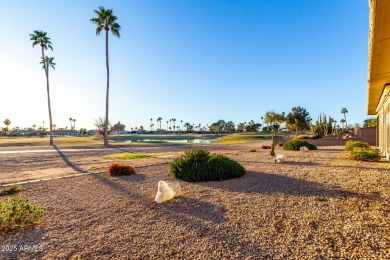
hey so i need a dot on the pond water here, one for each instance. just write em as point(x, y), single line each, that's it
point(184, 140)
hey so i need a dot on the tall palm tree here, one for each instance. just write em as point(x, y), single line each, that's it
point(33, 126)
point(106, 20)
point(159, 122)
point(181, 121)
point(344, 111)
point(174, 123)
point(7, 122)
point(74, 123)
point(342, 121)
point(70, 122)
point(54, 127)
point(167, 125)
point(40, 38)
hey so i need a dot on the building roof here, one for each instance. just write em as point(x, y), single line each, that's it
point(378, 53)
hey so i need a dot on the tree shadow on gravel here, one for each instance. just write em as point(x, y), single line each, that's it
point(266, 183)
point(66, 160)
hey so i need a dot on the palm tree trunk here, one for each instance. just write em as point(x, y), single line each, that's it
point(48, 97)
point(107, 94)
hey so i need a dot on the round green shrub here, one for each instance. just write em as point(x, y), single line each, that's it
point(351, 144)
point(364, 154)
point(221, 167)
point(198, 165)
point(295, 144)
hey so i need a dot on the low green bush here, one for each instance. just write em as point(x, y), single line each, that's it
point(15, 188)
point(221, 168)
point(18, 212)
point(364, 154)
point(351, 144)
point(295, 144)
point(198, 165)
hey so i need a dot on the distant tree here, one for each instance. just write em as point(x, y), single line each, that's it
point(118, 127)
point(159, 121)
point(241, 127)
point(174, 124)
point(370, 122)
point(252, 126)
point(83, 131)
point(70, 122)
point(7, 122)
point(74, 123)
point(344, 111)
point(34, 126)
point(100, 125)
point(188, 127)
point(342, 121)
point(230, 127)
point(106, 20)
point(298, 120)
point(40, 38)
point(167, 125)
point(54, 127)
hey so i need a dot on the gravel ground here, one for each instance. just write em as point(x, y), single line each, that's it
point(316, 205)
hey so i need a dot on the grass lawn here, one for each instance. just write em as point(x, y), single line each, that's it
point(137, 156)
point(240, 138)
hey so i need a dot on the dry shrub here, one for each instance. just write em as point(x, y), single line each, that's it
point(120, 169)
point(265, 146)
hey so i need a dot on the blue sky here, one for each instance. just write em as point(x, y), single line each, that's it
point(196, 61)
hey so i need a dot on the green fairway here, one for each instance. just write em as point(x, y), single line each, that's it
point(240, 138)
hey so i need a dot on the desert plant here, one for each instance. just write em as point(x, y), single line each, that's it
point(198, 165)
point(350, 145)
point(265, 146)
point(15, 188)
point(364, 154)
point(252, 151)
point(295, 144)
point(18, 212)
point(120, 169)
point(280, 144)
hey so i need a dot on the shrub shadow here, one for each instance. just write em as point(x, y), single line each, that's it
point(266, 183)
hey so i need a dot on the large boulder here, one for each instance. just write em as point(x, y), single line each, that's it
point(167, 190)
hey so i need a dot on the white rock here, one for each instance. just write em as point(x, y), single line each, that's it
point(167, 190)
point(280, 158)
point(304, 149)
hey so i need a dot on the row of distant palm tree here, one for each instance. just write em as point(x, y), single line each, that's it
point(170, 122)
point(74, 123)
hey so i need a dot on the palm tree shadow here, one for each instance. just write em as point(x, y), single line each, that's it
point(66, 160)
point(266, 183)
